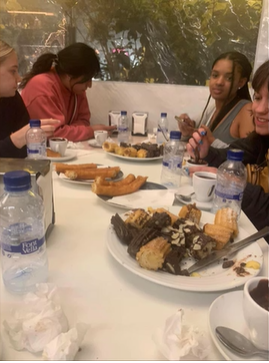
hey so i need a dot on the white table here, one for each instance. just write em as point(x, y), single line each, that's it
point(123, 309)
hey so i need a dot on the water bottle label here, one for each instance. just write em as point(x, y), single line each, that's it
point(224, 195)
point(24, 248)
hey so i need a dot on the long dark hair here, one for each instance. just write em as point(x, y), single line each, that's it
point(76, 60)
point(245, 68)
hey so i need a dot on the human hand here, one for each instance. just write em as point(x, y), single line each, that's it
point(49, 126)
point(185, 124)
point(200, 142)
point(209, 135)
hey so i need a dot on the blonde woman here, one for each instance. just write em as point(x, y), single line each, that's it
point(14, 118)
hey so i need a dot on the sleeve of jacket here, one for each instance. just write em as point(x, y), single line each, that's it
point(9, 150)
point(255, 205)
point(49, 107)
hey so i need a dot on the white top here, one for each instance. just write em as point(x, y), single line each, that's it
point(123, 309)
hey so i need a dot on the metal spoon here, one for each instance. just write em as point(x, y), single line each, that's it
point(185, 198)
point(239, 344)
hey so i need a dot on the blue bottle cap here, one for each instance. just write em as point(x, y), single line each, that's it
point(35, 123)
point(17, 181)
point(175, 135)
point(123, 113)
point(234, 154)
point(163, 114)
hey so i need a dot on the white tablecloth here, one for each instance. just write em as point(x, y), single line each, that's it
point(123, 309)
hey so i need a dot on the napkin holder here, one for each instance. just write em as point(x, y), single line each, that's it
point(113, 120)
point(139, 124)
point(41, 177)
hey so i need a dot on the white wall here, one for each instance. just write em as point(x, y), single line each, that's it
point(152, 98)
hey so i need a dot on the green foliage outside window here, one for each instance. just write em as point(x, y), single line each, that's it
point(159, 41)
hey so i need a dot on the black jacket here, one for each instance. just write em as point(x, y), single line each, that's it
point(13, 116)
point(255, 203)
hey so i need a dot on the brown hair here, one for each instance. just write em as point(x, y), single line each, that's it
point(261, 77)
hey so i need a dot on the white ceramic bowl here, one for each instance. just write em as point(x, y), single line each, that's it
point(255, 316)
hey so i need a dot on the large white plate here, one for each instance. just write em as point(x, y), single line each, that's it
point(213, 278)
point(69, 155)
point(89, 181)
point(134, 159)
point(227, 311)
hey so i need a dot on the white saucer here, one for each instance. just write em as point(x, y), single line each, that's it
point(188, 189)
point(227, 311)
point(69, 155)
point(93, 143)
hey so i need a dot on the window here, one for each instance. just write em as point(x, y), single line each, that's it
point(158, 41)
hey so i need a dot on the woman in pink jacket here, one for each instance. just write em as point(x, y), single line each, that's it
point(56, 88)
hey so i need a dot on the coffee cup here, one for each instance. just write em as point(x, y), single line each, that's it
point(58, 144)
point(204, 184)
point(255, 310)
point(100, 136)
point(193, 163)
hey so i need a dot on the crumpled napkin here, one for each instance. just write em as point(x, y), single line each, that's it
point(176, 341)
point(75, 145)
point(38, 320)
point(66, 345)
point(145, 198)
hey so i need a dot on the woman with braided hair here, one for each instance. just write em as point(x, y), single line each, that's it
point(56, 87)
point(230, 118)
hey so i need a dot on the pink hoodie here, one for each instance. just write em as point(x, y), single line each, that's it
point(46, 97)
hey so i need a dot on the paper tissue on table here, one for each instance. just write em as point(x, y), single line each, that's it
point(41, 173)
point(139, 124)
point(176, 340)
point(39, 324)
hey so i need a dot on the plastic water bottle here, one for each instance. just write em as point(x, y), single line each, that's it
point(36, 141)
point(172, 161)
point(123, 128)
point(22, 234)
point(231, 182)
point(162, 129)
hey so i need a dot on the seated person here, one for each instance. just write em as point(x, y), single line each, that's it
point(255, 201)
point(14, 117)
point(230, 118)
point(56, 88)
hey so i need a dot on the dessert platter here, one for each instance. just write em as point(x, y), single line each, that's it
point(221, 314)
point(135, 152)
point(215, 277)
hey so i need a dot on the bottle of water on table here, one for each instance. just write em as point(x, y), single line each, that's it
point(231, 182)
point(22, 234)
point(123, 128)
point(162, 129)
point(36, 141)
point(172, 161)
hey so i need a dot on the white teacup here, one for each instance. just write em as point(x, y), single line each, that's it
point(58, 144)
point(256, 317)
point(100, 136)
point(204, 184)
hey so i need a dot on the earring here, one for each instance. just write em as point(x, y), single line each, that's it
point(239, 87)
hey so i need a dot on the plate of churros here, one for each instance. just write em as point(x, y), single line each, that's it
point(136, 152)
point(160, 245)
point(86, 173)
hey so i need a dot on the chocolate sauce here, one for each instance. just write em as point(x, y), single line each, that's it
point(260, 294)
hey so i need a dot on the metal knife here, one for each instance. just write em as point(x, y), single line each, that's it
point(217, 255)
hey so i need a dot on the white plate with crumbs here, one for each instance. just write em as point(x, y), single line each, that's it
point(212, 278)
point(69, 155)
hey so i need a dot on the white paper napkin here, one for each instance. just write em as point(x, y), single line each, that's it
point(39, 319)
point(66, 345)
point(176, 340)
point(145, 198)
